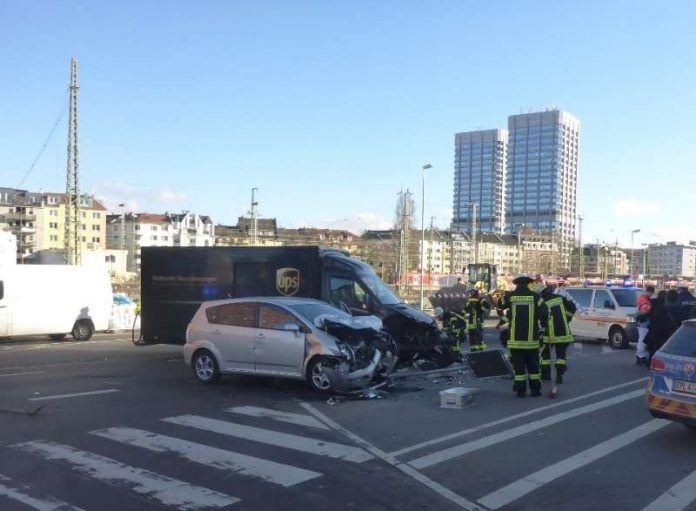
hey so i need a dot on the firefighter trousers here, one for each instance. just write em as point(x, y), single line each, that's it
point(561, 360)
point(476, 342)
point(525, 363)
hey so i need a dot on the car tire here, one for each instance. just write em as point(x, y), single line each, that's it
point(205, 367)
point(83, 330)
point(317, 379)
point(57, 337)
point(618, 339)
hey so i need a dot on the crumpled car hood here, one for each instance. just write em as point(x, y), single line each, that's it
point(368, 324)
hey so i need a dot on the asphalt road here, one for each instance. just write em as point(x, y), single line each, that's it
point(128, 428)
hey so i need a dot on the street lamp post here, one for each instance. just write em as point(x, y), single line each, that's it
point(422, 261)
point(634, 231)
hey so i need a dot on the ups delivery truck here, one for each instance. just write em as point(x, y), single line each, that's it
point(176, 280)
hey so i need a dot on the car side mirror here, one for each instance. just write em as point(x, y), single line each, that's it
point(608, 304)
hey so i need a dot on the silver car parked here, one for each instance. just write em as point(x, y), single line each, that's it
point(295, 338)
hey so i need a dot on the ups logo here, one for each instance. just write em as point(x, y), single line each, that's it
point(288, 281)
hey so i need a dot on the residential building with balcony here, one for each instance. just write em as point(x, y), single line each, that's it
point(132, 231)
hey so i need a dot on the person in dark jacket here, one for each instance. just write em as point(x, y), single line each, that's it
point(527, 317)
point(662, 322)
point(685, 304)
point(560, 311)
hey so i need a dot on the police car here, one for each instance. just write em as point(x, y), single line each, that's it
point(671, 392)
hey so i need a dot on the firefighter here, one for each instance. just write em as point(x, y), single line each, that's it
point(503, 322)
point(456, 325)
point(527, 315)
point(474, 315)
point(559, 311)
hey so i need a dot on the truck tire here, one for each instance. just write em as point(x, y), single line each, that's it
point(205, 367)
point(618, 339)
point(83, 330)
point(57, 337)
point(316, 377)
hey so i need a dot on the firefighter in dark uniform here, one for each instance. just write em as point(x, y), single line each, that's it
point(475, 316)
point(503, 321)
point(454, 323)
point(559, 311)
point(527, 316)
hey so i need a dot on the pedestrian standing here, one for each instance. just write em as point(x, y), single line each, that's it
point(643, 324)
point(556, 334)
point(662, 323)
point(475, 317)
point(526, 318)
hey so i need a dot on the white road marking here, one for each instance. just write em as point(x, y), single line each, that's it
point(678, 497)
point(578, 346)
point(76, 394)
point(391, 460)
point(267, 436)
point(510, 418)
point(502, 436)
point(299, 419)
point(152, 486)
point(278, 473)
point(17, 492)
point(20, 374)
point(527, 484)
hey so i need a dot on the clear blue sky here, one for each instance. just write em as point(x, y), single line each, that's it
point(331, 107)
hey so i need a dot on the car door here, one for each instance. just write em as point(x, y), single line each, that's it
point(232, 330)
point(279, 343)
point(580, 325)
point(604, 312)
point(5, 311)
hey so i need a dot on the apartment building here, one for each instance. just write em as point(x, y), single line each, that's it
point(673, 259)
point(38, 221)
point(132, 231)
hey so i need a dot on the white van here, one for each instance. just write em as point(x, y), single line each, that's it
point(54, 300)
point(605, 313)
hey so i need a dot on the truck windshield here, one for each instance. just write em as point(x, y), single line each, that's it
point(383, 294)
point(310, 311)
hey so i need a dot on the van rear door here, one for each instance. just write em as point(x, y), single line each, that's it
point(5, 311)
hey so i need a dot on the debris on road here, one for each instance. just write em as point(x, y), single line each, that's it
point(29, 413)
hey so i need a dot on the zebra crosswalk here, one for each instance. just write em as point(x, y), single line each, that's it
point(533, 464)
point(158, 488)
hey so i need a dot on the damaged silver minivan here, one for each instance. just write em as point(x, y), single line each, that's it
point(297, 338)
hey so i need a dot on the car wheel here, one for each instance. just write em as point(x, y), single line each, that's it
point(205, 367)
point(57, 337)
point(83, 330)
point(618, 338)
point(317, 378)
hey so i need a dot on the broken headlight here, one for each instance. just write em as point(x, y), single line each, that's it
point(345, 350)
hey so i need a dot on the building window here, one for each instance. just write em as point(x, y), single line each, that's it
point(53, 200)
point(153, 227)
point(96, 215)
point(53, 237)
point(84, 239)
point(52, 212)
point(96, 228)
point(84, 227)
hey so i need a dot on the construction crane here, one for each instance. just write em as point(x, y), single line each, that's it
point(72, 182)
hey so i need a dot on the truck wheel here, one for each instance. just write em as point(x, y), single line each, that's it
point(205, 367)
point(316, 377)
point(57, 337)
point(618, 339)
point(83, 330)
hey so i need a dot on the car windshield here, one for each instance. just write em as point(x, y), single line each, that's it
point(383, 294)
point(310, 311)
point(682, 343)
point(627, 297)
